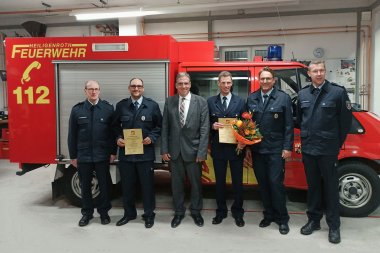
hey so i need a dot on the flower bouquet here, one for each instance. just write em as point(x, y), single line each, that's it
point(245, 130)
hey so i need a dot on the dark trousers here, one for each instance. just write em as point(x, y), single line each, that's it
point(179, 169)
point(236, 168)
point(270, 172)
point(322, 179)
point(130, 172)
point(86, 173)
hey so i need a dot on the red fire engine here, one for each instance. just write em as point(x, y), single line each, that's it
point(46, 78)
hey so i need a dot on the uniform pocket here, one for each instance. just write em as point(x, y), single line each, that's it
point(82, 121)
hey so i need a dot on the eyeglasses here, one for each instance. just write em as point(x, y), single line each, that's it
point(136, 86)
point(183, 84)
point(93, 89)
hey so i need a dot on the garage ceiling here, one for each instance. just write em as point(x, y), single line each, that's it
point(15, 12)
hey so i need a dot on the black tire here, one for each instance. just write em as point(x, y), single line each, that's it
point(73, 189)
point(359, 189)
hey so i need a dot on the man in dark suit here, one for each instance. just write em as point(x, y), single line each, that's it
point(226, 105)
point(324, 116)
point(272, 111)
point(184, 142)
point(92, 148)
point(142, 113)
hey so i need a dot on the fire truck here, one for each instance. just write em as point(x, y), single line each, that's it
point(46, 76)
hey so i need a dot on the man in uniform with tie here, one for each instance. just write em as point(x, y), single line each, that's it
point(272, 111)
point(184, 142)
point(91, 147)
point(324, 115)
point(143, 113)
point(226, 105)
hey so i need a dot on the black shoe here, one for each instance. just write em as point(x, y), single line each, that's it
point(239, 221)
point(149, 222)
point(334, 235)
point(283, 228)
point(176, 220)
point(105, 219)
point(124, 220)
point(265, 223)
point(310, 227)
point(85, 220)
point(218, 219)
point(198, 220)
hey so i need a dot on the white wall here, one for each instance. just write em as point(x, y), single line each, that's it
point(336, 45)
point(375, 80)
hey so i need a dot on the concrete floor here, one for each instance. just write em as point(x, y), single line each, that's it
point(33, 222)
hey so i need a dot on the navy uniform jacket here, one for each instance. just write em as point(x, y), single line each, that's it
point(235, 108)
point(148, 117)
point(275, 121)
point(90, 136)
point(325, 120)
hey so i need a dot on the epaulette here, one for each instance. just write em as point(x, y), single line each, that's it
point(307, 86)
point(80, 103)
point(107, 103)
point(337, 85)
point(149, 99)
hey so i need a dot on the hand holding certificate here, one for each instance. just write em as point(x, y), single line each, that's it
point(226, 134)
point(133, 141)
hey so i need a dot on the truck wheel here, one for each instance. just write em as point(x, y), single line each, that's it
point(73, 190)
point(359, 189)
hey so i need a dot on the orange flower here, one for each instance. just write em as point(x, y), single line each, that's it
point(245, 130)
point(246, 115)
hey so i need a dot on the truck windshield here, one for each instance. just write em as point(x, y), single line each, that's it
point(205, 84)
point(291, 80)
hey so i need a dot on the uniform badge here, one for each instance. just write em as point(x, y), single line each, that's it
point(143, 118)
point(348, 105)
point(275, 115)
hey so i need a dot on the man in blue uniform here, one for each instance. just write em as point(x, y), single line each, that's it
point(324, 115)
point(142, 113)
point(272, 111)
point(91, 146)
point(226, 105)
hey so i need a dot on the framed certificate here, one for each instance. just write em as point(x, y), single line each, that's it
point(225, 134)
point(133, 141)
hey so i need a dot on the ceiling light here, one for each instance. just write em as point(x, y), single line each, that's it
point(122, 12)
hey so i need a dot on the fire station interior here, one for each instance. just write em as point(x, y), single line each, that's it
point(41, 201)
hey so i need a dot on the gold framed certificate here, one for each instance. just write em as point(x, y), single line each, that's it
point(133, 141)
point(225, 134)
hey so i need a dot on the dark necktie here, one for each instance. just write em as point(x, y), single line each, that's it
point(224, 103)
point(316, 91)
point(265, 96)
point(136, 106)
point(182, 112)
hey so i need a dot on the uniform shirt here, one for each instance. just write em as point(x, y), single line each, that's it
point(235, 109)
point(90, 136)
point(148, 118)
point(324, 119)
point(227, 100)
point(275, 121)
